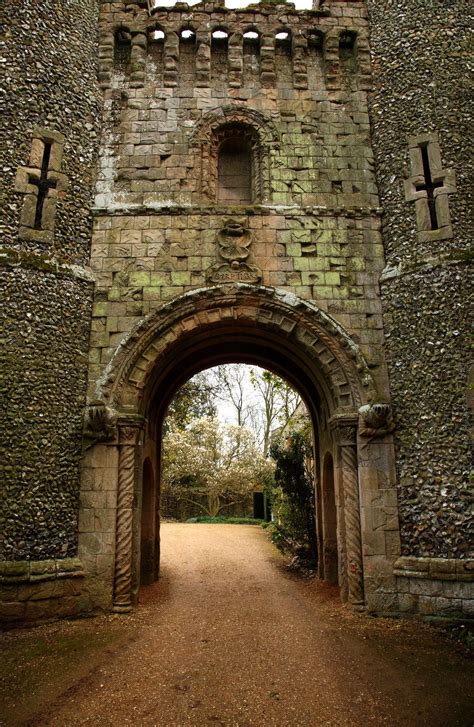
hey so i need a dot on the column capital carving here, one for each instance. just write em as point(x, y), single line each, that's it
point(129, 427)
point(344, 428)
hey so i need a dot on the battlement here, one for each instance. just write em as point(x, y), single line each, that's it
point(209, 43)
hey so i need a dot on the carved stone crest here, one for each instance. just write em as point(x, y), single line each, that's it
point(234, 241)
point(376, 420)
point(100, 421)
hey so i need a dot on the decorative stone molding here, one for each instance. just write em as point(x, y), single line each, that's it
point(376, 420)
point(310, 329)
point(234, 241)
point(442, 569)
point(213, 129)
point(13, 572)
point(344, 429)
point(429, 187)
point(129, 431)
point(100, 421)
point(41, 183)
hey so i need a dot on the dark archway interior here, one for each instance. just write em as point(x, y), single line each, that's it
point(251, 345)
point(329, 554)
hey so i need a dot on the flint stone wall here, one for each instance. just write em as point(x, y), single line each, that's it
point(50, 82)
point(421, 86)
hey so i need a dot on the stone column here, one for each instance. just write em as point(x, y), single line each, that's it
point(345, 432)
point(128, 440)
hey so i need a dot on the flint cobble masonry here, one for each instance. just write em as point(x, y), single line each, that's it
point(123, 111)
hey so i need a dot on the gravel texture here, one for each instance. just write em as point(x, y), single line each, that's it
point(230, 636)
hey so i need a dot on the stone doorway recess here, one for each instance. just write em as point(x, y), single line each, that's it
point(239, 323)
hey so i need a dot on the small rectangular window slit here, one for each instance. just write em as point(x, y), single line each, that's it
point(429, 187)
point(44, 185)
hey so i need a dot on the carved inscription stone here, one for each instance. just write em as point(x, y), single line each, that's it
point(233, 242)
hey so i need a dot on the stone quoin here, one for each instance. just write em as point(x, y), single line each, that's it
point(192, 185)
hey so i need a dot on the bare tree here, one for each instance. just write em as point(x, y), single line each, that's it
point(279, 403)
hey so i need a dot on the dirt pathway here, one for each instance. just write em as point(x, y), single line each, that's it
point(229, 637)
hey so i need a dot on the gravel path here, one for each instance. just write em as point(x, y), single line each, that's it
point(230, 637)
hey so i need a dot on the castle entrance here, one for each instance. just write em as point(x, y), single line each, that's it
point(278, 332)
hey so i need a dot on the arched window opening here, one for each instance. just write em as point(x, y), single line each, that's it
point(122, 50)
point(315, 41)
point(234, 170)
point(220, 38)
point(348, 58)
point(188, 36)
point(187, 56)
point(283, 41)
point(251, 57)
point(283, 57)
point(347, 44)
point(156, 43)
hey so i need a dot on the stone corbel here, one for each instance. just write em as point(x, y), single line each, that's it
point(376, 420)
point(100, 422)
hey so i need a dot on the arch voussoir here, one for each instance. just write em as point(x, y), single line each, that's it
point(306, 329)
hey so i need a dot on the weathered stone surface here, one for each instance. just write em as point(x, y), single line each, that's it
point(310, 242)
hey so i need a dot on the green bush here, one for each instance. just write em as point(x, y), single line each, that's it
point(294, 528)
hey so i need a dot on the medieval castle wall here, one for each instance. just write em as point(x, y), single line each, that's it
point(49, 77)
point(422, 87)
point(224, 146)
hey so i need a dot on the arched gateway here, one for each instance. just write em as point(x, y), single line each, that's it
point(261, 326)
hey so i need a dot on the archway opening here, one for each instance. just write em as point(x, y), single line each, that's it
point(242, 324)
point(292, 509)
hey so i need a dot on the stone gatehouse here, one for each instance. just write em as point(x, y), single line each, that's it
point(195, 185)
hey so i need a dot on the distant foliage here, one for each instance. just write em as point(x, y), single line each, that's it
point(214, 467)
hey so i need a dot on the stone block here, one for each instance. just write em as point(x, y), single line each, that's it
point(449, 606)
point(408, 602)
point(11, 612)
point(451, 589)
point(382, 602)
point(424, 587)
point(426, 605)
point(468, 607)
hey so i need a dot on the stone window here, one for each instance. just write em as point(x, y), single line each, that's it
point(315, 41)
point(429, 187)
point(41, 183)
point(234, 168)
point(122, 50)
point(218, 135)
